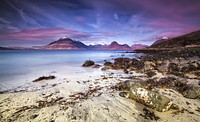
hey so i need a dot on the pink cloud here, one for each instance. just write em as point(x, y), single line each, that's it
point(46, 34)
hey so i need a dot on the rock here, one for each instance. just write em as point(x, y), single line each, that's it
point(137, 64)
point(88, 63)
point(96, 66)
point(190, 66)
point(190, 91)
point(149, 65)
point(44, 78)
point(193, 74)
point(124, 85)
point(163, 67)
point(173, 68)
point(33, 116)
point(107, 63)
point(149, 98)
point(121, 63)
point(158, 62)
point(123, 94)
point(149, 114)
point(106, 68)
point(150, 73)
point(126, 71)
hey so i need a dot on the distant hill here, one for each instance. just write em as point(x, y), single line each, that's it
point(187, 40)
point(115, 46)
point(138, 46)
point(97, 47)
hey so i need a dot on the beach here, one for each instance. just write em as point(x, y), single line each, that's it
point(91, 95)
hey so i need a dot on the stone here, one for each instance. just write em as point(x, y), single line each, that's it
point(44, 78)
point(163, 67)
point(149, 65)
point(88, 63)
point(149, 98)
point(96, 66)
point(150, 73)
point(106, 68)
point(123, 94)
point(190, 91)
point(173, 68)
point(33, 116)
point(107, 63)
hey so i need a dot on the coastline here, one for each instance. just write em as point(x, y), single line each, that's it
point(95, 97)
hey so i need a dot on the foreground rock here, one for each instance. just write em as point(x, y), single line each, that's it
point(44, 78)
point(178, 84)
point(88, 63)
point(149, 98)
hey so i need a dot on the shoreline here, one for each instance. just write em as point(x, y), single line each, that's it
point(103, 97)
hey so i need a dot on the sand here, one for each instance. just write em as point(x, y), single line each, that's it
point(87, 98)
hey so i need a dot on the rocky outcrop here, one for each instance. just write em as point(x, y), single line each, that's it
point(44, 78)
point(88, 63)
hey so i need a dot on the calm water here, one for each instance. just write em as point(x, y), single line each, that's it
point(17, 66)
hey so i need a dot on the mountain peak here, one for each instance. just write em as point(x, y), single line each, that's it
point(116, 46)
point(66, 44)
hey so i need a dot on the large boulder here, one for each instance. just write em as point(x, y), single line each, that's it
point(107, 63)
point(88, 63)
point(149, 98)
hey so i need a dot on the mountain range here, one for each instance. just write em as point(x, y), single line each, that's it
point(187, 40)
point(69, 44)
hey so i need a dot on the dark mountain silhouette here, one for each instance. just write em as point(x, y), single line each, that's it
point(64, 44)
point(187, 40)
point(115, 46)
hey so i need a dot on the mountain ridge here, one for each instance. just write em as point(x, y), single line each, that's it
point(190, 39)
point(69, 44)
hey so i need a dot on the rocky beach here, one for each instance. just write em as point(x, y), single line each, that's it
point(162, 86)
point(99, 61)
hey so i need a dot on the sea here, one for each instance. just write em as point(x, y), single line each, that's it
point(19, 67)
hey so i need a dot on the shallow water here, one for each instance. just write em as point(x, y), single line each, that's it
point(20, 66)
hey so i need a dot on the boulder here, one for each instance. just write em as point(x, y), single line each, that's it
point(149, 98)
point(190, 91)
point(149, 65)
point(96, 66)
point(106, 68)
point(163, 67)
point(150, 73)
point(88, 63)
point(108, 63)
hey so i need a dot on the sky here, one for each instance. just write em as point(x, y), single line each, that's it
point(39, 22)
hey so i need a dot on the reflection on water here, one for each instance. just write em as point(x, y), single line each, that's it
point(19, 65)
